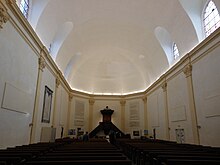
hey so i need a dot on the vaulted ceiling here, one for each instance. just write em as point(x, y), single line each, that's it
point(112, 46)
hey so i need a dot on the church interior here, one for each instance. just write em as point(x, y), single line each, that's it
point(142, 70)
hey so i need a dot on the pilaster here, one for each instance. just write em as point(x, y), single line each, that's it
point(35, 121)
point(57, 81)
point(123, 102)
point(4, 17)
point(187, 70)
point(167, 129)
point(145, 113)
point(91, 104)
point(68, 113)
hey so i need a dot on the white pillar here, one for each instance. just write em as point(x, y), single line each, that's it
point(167, 129)
point(91, 104)
point(145, 113)
point(55, 100)
point(122, 102)
point(41, 66)
point(188, 72)
point(68, 114)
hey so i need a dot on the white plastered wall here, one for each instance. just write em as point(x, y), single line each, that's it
point(72, 124)
point(60, 118)
point(206, 78)
point(129, 128)
point(178, 107)
point(156, 113)
point(18, 70)
point(48, 80)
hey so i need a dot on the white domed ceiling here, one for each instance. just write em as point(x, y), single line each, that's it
point(110, 46)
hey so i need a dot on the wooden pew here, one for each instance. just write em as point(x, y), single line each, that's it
point(82, 154)
point(191, 162)
point(81, 162)
point(62, 158)
point(10, 160)
point(3, 163)
point(163, 159)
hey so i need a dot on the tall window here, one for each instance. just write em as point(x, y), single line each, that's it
point(211, 18)
point(175, 51)
point(24, 7)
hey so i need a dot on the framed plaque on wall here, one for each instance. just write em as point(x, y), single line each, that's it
point(48, 93)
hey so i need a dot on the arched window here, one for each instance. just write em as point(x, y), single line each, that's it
point(24, 7)
point(211, 18)
point(175, 52)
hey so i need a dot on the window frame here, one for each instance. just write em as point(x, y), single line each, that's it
point(25, 7)
point(175, 51)
point(205, 24)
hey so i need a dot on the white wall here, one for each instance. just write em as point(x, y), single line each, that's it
point(134, 117)
point(206, 78)
point(156, 114)
point(48, 80)
point(18, 68)
point(84, 118)
point(178, 107)
point(61, 111)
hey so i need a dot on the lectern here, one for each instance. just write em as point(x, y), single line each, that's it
point(106, 125)
point(107, 113)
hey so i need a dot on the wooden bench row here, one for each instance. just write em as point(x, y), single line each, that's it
point(156, 153)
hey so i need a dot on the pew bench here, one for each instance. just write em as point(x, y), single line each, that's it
point(191, 162)
point(81, 162)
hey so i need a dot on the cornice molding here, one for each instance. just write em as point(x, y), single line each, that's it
point(4, 17)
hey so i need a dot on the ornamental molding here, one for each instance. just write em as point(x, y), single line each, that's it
point(91, 101)
point(164, 86)
point(57, 82)
point(4, 17)
point(10, 2)
point(187, 70)
point(42, 63)
point(123, 102)
point(70, 96)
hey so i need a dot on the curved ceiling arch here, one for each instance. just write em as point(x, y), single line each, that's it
point(119, 51)
point(36, 11)
point(194, 10)
point(59, 38)
point(164, 39)
point(107, 63)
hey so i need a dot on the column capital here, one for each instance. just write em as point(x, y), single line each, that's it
point(42, 63)
point(122, 102)
point(57, 82)
point(91, 101)
point(164, 86)
point(144, 99)
point(11, 2)
point(4, 17)
point(70, 96)
point(187, 70)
